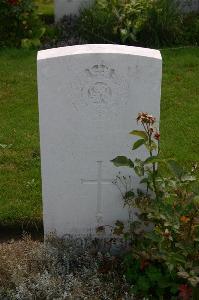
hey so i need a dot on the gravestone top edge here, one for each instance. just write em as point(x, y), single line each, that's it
point(98, 49)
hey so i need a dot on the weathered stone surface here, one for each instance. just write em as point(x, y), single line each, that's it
point(89, 97)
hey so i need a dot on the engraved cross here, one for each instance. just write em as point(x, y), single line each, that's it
point(99, 181)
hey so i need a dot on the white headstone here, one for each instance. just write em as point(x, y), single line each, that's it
point(89, 97)
point(70, 7)
point(187, 6)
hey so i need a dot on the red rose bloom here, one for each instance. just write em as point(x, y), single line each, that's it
point(145, 118)
point(185, 292)
point(13, 2)
point(157, 136)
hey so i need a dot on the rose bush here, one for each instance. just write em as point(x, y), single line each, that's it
point(164, 260)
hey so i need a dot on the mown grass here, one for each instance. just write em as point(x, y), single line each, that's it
point(20, 196)
point(20, 182)
point(180, 104)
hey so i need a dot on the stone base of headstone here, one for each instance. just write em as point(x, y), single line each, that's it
point(112, 245)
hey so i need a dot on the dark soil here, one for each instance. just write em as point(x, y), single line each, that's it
point(16, 232)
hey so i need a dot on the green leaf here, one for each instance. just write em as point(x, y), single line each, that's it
point(138, 144)
point(154, 274)
point(122, 161)
point(26, 43)
point(152, 146)
point(173, 258)
point(129, 194)
point(119, 228)
point(152, 159)
point(29, 43)
point(174, 288)
point(143, 284)
point(195, 187)
point(139, 167)
point(139, 170)
point(35, 42)
point(41, 32)
point(100, 229)
point(153, 237)
point(144, 180)
point(196, 200)
point(140, 133)
point(175, 168)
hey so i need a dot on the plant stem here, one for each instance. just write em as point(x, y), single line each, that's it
point(149, 134)
point(153, 166)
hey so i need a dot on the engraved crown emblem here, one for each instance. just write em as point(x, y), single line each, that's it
point(100, 71)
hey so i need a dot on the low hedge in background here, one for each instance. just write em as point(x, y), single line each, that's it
point(20, 24)
point(147, 23)
point(191, 29)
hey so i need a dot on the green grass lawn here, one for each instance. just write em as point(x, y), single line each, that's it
point(20, 191)
point(180, 104)
point(20, 183)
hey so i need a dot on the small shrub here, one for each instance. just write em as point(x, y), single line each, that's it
point(20, 25)
point(164, 260)
point(152, 23)
point(100, 23)
point(141, 22)
point(63, 33)
point(191, 29)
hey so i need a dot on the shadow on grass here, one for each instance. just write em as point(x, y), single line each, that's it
point(17, 231)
